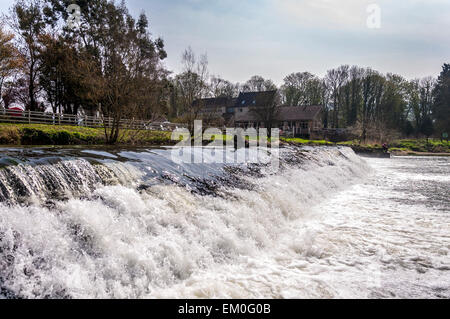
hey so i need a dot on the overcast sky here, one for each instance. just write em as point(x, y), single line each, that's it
point(273, 38)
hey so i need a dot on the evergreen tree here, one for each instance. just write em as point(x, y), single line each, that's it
point(441, 107)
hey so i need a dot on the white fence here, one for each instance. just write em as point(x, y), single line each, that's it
point(28, 117)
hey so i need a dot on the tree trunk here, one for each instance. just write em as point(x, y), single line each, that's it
point(114, 133)
point(31, 95)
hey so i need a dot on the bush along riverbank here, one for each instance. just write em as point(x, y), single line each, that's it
point(401, 147)
point(405, 147)
point(37, 134)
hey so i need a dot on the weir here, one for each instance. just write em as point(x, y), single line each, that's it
point(127, 223)
point(40, 175)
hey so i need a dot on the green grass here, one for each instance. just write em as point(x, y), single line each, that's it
point(41, 134)
point(398, 149)
point(133, 137)
point(365, 148)
point(404, 146)
point(348, 143)
point(34, 134)
point(422, 145)
point(305, 142)
point(222, 137)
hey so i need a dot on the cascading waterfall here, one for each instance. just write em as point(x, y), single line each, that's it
point(53, 178)
point(84, 228)
point(133, 224)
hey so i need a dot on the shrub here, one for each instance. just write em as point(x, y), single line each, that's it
point(31, 136)
point(9, 136)
point(61, 138)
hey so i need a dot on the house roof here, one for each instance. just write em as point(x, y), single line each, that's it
point(286, 113)
point(294, 113)
point(259, 99)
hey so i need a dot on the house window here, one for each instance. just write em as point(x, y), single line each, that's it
point(304, 125)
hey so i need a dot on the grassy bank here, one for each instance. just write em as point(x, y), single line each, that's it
point(400, 147)
point(404, 147)
point(301, 141)
point(39, 134)
point(421, 145)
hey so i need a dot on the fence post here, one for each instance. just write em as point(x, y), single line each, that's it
point(29, 117)
point(59, 118)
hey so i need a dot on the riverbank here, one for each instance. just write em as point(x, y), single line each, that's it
point(40, 134)
point(410, 147)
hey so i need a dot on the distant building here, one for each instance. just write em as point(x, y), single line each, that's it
point(300, 120)
point(240, 112)
point(292, 120)
point(248, 101)
point(220, 108)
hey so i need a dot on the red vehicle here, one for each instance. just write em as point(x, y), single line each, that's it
point(15, 111)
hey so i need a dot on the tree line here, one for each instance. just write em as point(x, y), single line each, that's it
point(110, 63)
point(107, 63)
point(375, 105)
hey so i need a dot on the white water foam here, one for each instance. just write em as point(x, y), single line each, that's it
point(306, 232)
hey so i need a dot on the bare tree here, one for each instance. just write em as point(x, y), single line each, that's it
point(219, 87)
point(295, 88)
point(373, 85)
point(335, 79)
point(269, 113)
point(192, 84)
point(258, 84)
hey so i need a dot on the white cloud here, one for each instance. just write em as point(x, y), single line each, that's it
point(407, 17)
point(324, 13)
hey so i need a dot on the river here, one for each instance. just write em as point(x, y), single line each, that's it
point(132, 224)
